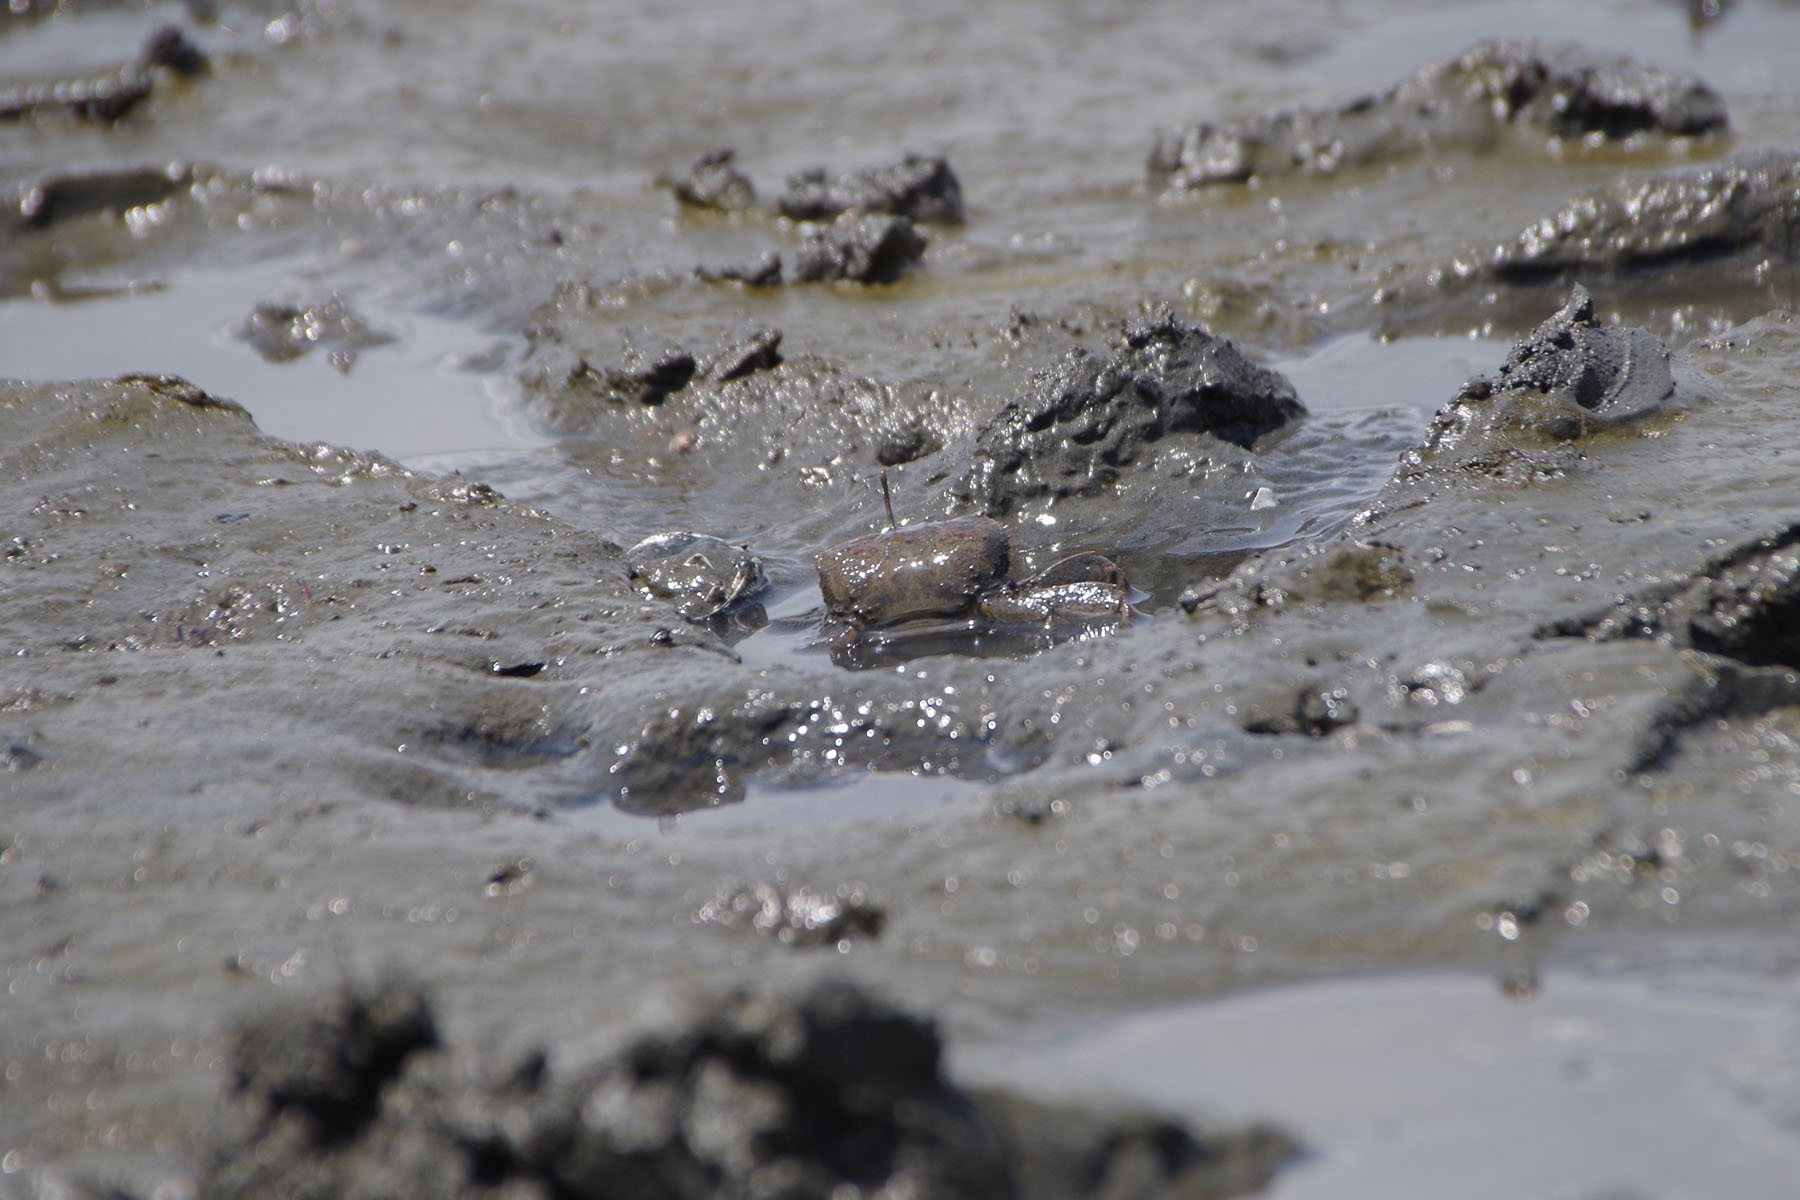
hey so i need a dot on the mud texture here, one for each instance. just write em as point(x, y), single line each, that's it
point(758, 273)
point(224, 583)
point(1667, 239)
point(350, 1095)
point(859, 248)
point(713, 181)
point(918, 187)
point(1508, 699)
point(646, 377)
point(1569, 377)
point(1078, 426)
point(1745, 205)
point(1469, 102)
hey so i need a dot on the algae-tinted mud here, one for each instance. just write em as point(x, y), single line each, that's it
point(484, 809)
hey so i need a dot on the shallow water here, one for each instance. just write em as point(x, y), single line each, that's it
point(1421, 1085)
point(435, 396)
point(1117, 863)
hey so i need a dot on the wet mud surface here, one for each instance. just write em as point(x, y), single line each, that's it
point(808, 633)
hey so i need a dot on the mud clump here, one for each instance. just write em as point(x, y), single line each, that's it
point(1076, 426)
point(1750, 204)
point(325, 1068)
point(759, 273)
point(1569, 377)
point(1468, 101)
point(759, 1094)
point(862, 249)
point(860, 226)
point(758, 351)
point(713, 181)
point(261, 547)
point(645, 378)
point(919, 188)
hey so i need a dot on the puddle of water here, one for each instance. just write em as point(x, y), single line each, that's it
point(1369, 400)
point(1428, 1086)
point(1357, 372)
point(431, 398)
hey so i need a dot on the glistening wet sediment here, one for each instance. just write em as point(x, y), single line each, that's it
point(1491, 719)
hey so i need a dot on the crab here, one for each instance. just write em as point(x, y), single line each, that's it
point(950, 579)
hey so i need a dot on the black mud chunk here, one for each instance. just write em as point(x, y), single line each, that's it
point(1752, 615)
point(918, 187)
point(64, 196)
point(700, 574)
point(1748, 204)
point(171, 50)
point(763, 272)
point(793, 1097)
point(713, 181)
point(1464, 102)
point(326, 1063)
point(643, 377)
point(824, 1092)
point(1569, 377)
point(1076, 426)
point(285, 332)
point(864, 249)
point(759, 350)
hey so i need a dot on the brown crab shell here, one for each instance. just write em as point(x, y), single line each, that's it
point(935, 569)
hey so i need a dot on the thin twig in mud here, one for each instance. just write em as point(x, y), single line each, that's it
point(887, 502)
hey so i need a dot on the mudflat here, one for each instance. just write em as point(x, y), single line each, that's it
point(957, 601)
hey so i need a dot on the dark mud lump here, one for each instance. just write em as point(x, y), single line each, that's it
point(1078, 424)
point(919, 188)
point(713, 181)
point(1466, 102)
point(827, 1092)
point(1569, 377)
point(863, 249)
